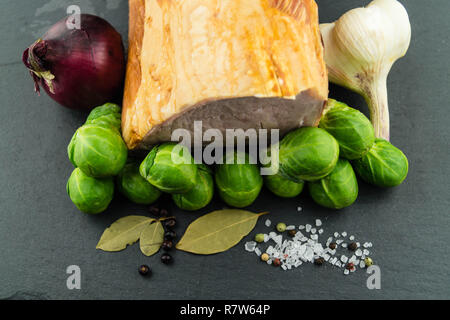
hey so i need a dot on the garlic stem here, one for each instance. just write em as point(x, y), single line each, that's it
point(376, 97)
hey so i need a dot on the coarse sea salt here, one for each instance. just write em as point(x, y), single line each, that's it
point(250, 246)
point(295, 250)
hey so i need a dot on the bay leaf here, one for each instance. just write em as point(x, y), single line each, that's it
point(218, 231)
point(123, 232)
point(152, 237)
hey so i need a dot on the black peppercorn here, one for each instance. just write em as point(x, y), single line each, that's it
point(292, 233)
point(154, 210)
point(319, 261)
point(144, 270)
point(170, 235)
point(352, 246)
point(332, 245)
point(167, 245)
point(166, 258)
point(164, 212)
point(170, 223)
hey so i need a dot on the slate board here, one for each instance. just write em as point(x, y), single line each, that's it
point(41, 232)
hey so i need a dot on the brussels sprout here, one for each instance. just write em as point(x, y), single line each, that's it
point(308, 154)
point(107, 115)
point(337, 190)
point(90, 195)
point(199, 196)
point(97, 150)
point(384, 165)
point(353, 131)
point(238, 183)
point(133, 186)
point(283, 187)
point(278, 184)
point(170, 170)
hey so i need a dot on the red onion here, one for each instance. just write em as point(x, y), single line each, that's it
point(79, 68)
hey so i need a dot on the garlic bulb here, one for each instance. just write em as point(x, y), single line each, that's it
point(360, 49)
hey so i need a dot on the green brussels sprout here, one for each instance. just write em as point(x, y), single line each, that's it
point(199, 196)
point(337, 190)
point(98, 150)
point(308, 154)
point(238, 182)
point(353, 131)
point(107, 115)
point(133, 186)
point(384, 165)
point(170, 169)
point(278, 184)
point(90, 195)
point(283, 187)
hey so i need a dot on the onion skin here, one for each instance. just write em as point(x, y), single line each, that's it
point(79, 68)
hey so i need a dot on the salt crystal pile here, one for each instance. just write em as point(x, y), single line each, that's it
point(302, 248)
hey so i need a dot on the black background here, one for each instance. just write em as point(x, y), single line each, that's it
point(41, 232)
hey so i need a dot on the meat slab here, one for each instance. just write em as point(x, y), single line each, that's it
point(229, 63)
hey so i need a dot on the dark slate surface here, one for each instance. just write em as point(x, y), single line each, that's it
point(41, 233)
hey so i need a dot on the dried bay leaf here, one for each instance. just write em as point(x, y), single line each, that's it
point(123, 232)
point(152, 237)
point(218, 231)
